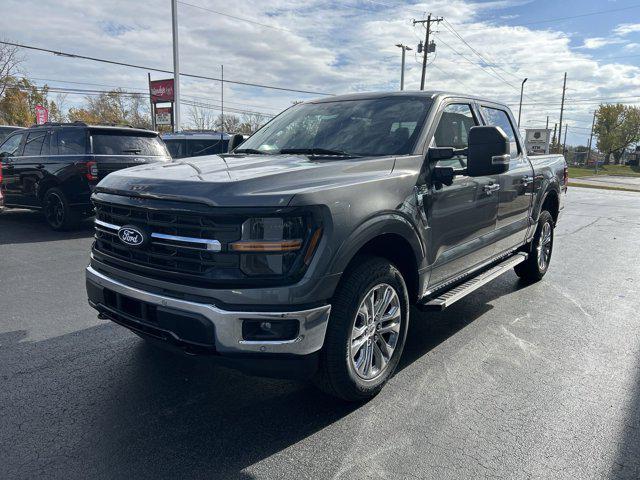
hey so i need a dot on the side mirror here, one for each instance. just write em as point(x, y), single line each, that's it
point(441, 153)
point(4, 155)
point(488, 151)
point(235, 142)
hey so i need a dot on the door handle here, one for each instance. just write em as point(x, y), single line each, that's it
point(40, 166)
point(494, 187)
point(526, 180)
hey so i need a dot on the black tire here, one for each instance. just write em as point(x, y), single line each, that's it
point(540, 250)
point(338, 374)
point(57, 212)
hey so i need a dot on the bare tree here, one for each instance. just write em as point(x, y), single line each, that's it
point(250, 122)
point(202, 118)
point(10, 60)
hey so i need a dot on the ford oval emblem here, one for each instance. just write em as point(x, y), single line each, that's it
point(131, 236)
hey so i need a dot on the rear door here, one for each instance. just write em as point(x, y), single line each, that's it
point(11, 150)
point(516, 185)
point(462, 215)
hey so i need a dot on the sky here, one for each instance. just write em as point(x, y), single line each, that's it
point(483, 48)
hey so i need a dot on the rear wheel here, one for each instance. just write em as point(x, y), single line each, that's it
point(541, 248)
point(366, 332)
point(57, 212)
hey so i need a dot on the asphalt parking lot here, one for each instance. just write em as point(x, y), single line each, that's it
point(515, 381)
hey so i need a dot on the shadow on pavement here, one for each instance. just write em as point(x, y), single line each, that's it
point(26, 226)
point(101, 403)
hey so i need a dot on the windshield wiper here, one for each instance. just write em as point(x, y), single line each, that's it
point(250, 150)
point(317, 152)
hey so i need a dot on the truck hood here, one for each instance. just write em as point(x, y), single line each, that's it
point(243, 180)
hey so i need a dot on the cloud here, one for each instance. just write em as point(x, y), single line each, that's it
point(320, 45)
point(627, 28)
point(599, 42)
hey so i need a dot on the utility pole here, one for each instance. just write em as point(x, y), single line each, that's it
point(176, 66)
point(153, 110)
point(593, 124)
point(564, 145)
point(404, 49)
point(221, 99)
point(521, 93)
point(428, 21)
point(547, 127)
point(555, 129)
point(564, 88)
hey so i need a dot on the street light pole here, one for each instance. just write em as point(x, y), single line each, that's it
point(521, 94)
point(404, 49)
point(176, 66)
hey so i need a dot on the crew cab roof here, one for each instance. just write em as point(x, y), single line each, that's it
point(431, 94)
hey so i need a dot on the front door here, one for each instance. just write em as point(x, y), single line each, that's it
point(32, 165)
point(516, 185)
point(10, 151)
point(462, 216)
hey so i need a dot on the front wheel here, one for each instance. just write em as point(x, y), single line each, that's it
point(366, 332)
point(537, 264)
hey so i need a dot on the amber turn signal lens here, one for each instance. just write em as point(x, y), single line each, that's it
point(312, 246)
point(267, 246)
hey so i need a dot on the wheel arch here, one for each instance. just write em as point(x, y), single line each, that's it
point(392, 237)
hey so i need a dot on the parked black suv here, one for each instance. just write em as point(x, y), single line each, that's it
point(54, 167)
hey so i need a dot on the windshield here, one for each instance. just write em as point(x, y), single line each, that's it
point(107, 143)
point(380, 126)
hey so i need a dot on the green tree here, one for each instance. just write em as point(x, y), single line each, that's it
point(617, 127)
point(19, 100)
point(116, 107)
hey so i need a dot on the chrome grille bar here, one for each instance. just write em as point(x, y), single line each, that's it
point(211, 245)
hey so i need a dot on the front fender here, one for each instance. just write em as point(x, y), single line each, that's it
point(384, 224)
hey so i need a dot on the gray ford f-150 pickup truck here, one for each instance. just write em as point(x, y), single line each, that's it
point(300, 253)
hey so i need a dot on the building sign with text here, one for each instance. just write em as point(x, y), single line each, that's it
point(163, 115)
point(161, 90)
point(537, 141)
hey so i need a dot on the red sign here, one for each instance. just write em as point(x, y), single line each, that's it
point(42, 115)
point(161, 90)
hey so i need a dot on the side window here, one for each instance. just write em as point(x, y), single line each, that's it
point(33, 144)
point(453, 131)
point(500, 118)
point(72, 141)
point(11, 144)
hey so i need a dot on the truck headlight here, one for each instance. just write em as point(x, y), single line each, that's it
point(273, 245)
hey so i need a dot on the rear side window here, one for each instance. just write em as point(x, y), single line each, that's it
point(196, 148)
point(11, 144)
point(176, 148)
point(72, 141)
point(117, 143)
point(34, 142)
point(500, 118)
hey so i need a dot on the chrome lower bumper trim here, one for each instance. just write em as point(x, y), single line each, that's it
point(228, 324)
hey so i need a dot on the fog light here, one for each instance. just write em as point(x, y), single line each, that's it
point(278, 330)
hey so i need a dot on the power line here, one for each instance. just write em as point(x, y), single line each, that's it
point(141, 67)
point(234, 17)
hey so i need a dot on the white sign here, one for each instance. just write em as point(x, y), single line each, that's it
point(537, 140)
point(163, 116)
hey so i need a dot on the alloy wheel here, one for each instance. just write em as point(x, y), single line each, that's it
point(375, 332)
point(54, 210)
point(544, 246)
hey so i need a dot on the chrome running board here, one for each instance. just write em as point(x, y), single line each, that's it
point(465, 288)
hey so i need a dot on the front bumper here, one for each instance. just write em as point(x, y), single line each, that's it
point(222, 329)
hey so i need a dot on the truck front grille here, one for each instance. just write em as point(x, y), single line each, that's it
point(180, 242)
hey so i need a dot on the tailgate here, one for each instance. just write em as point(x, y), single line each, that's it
point(110, 163)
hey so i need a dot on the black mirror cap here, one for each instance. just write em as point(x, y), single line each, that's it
point(488, 151)
point(236, 140)
point(440, 153)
